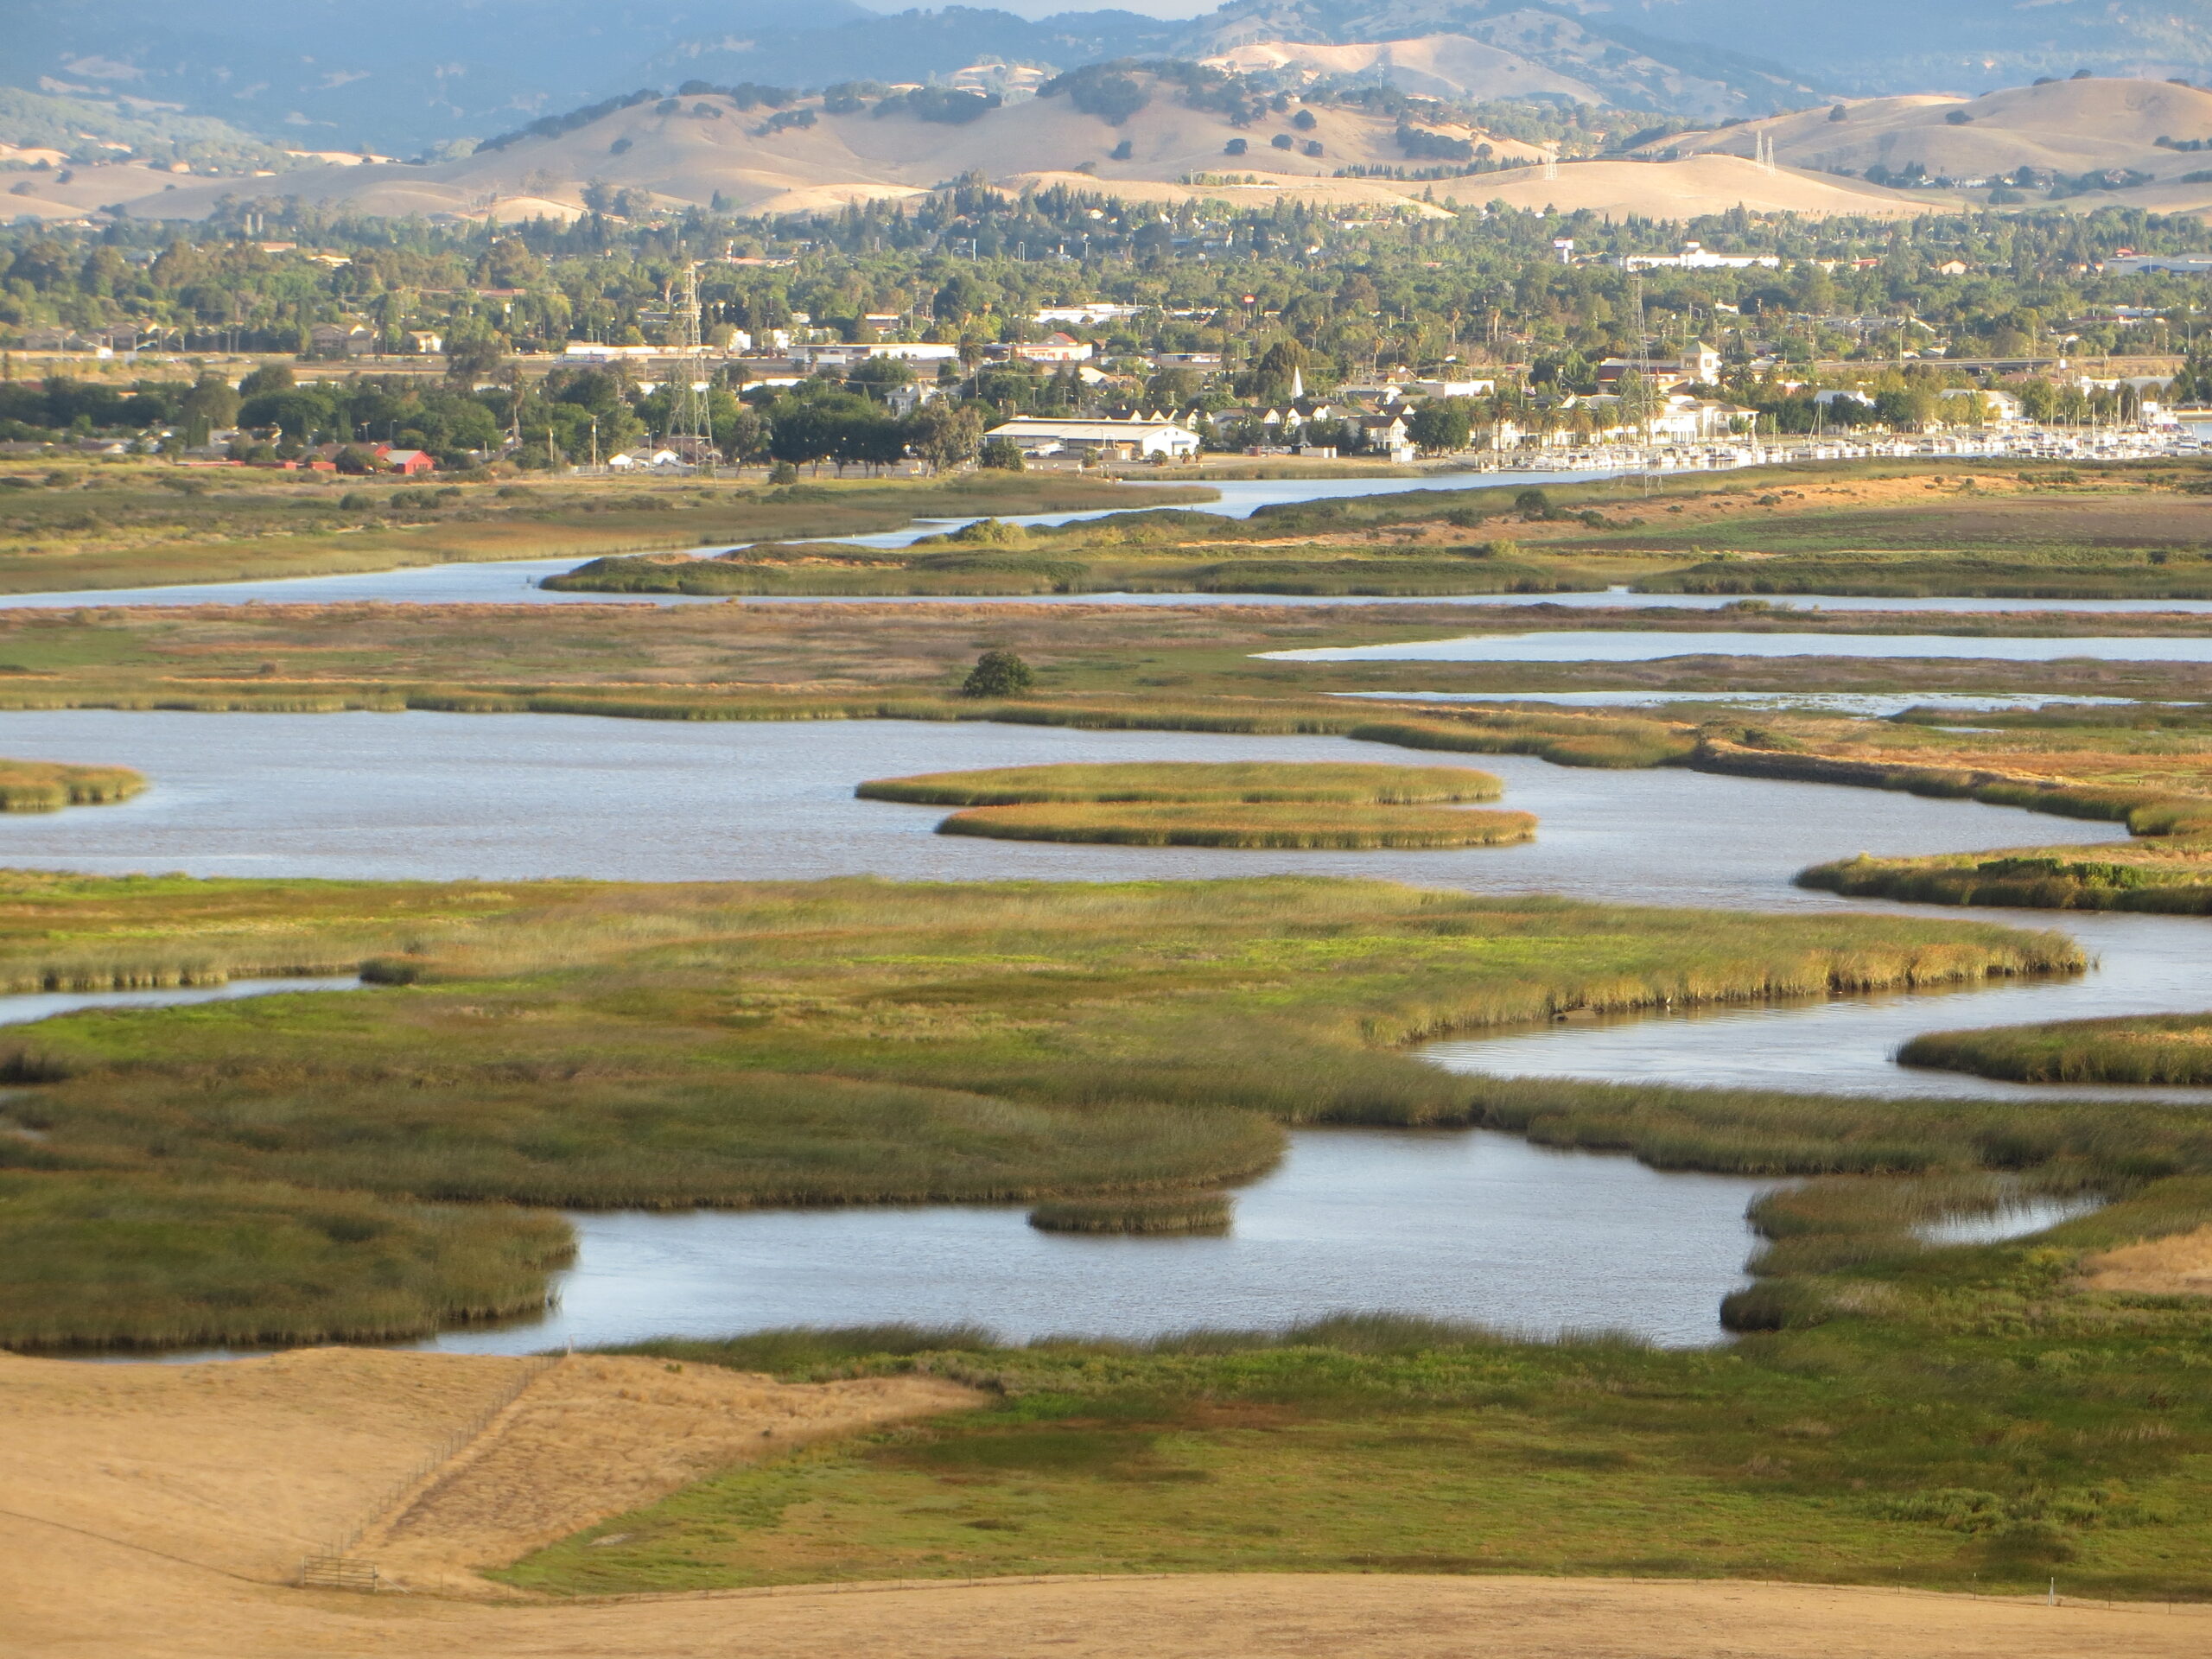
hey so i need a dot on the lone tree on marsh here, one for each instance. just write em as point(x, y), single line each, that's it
point(997, 674)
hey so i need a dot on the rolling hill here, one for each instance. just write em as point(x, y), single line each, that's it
point(703, 149)
point(2070, 128)
point(1436, 66)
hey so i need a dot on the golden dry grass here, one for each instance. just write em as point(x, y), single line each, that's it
point(1264, 781)
point(1232, 824)
point(2179, 1265)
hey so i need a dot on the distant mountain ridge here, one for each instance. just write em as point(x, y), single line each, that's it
point(414, 75)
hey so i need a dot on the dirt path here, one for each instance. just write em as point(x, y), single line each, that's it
point(155, 1512)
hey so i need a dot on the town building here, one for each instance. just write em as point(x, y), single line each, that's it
point(1059, 349)
point(341, 340)
point(1139, 438)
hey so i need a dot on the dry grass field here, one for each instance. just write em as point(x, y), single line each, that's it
point(156, 1512)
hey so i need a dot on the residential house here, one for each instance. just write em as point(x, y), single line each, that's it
point(1387, 434)
point(1451, 388)
point(2002, 407)
point(1139, 438)
point(1059, 349)
point(1695, 420)
point(410, 463)
point(425, 342)
point(341, 340)
point(905, 400)
point(1696, 363)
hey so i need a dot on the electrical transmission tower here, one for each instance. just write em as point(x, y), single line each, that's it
point(691, 428)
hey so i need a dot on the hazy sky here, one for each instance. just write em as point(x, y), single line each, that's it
point(1047, 8)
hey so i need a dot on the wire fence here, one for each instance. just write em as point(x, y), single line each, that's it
point(336, 1567)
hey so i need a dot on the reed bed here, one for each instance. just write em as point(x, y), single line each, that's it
point(2172, 878)
point(2065, 574)
point(2164, 1048)
point(48, 786)
point(1247, 805)
point(1235, 824)
point(1195, 781)
point(98, 1260)
point(1149, 1213)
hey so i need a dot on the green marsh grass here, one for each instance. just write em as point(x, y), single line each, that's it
point(2153, 1048)
point(602, 1045)
point(2059, 573)
point(100, 1260)
point(1149, 1212)
point(1237, 824)
point(2171, 878)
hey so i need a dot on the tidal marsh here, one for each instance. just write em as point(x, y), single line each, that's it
point(2151, 1048)
point(1193, 803)
point(48, 785)
point(1149, 1212)
point(1191, 781)
point(600, 1045)
point(1237, 824)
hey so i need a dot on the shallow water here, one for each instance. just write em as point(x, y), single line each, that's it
point(1871, 705)
point(1452, 1224)
point(1637, 646)
point(1457, 1224)
point(2014, 1221)
point(512, 581)
point(28, 1006)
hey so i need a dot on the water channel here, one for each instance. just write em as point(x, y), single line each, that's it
point(1454, 1224)
point(1641, 646)
point(513, 582)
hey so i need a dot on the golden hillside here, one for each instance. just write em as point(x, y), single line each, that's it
point(2068, 127)
point(1438, 65)
point(705, 147)
point(1690, 188)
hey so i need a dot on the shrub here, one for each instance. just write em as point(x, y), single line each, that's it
point(997, 674)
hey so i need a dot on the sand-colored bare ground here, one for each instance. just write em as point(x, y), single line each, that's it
point(151, 1512)
point(594, 1436)
point(64, 1599)
point(244, 1468)
point(2177, 1265)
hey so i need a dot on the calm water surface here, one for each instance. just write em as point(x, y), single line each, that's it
point(1453, 1224)
point(1637, 646)
point(1463, 1225)
point(510, 581)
